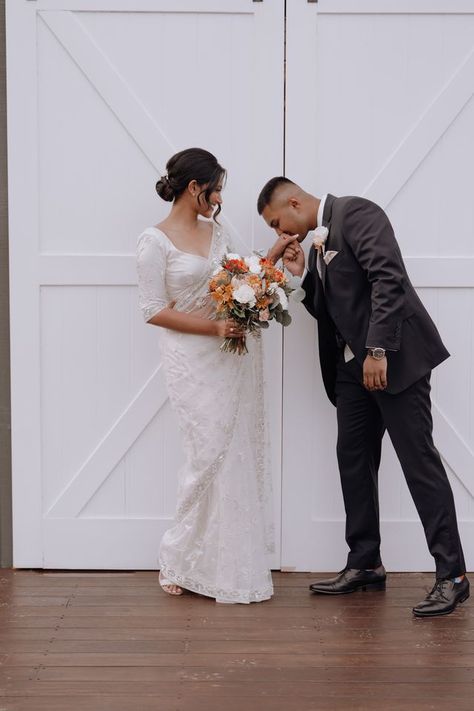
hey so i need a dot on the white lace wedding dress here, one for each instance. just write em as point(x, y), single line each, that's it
point(222, 534)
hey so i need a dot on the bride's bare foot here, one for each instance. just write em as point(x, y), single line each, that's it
point(169, 587)
point(172, 589)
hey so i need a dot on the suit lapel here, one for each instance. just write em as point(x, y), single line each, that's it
point(312, 260)
point(318, 296)
point(327, 213)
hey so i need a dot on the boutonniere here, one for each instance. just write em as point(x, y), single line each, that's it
point(320, 237)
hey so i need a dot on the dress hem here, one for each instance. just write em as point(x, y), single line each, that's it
point(219, 595)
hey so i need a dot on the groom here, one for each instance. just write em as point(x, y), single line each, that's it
point(377, 347)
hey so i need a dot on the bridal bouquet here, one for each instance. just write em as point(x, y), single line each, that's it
point(252, 291)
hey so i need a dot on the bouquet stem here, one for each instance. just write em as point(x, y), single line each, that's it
point(235, 345)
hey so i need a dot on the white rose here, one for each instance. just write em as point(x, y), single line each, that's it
point(233, 256)
point(253, 264)
point(282, 297)
point(244, 294)
point(320, 237)
point(273, 287)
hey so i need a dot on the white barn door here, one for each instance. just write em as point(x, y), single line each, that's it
point(101, 93)
point(379, 103)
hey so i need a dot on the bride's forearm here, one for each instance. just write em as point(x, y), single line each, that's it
point(186, 323)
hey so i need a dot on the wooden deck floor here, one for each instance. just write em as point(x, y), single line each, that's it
point(112, 641)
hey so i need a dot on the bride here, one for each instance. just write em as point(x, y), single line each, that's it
point(222, 534)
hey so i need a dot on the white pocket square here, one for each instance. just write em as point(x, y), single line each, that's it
point(330, 254)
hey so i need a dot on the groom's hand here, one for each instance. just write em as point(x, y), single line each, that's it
point(276, 252)
point(375, 373)
point(293, 259)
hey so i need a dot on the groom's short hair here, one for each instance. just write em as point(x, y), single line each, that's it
point(268, 189)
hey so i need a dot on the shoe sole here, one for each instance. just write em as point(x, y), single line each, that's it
point(371, 587)
point(441, 614)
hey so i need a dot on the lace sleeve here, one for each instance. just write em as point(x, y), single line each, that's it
point(151, 270)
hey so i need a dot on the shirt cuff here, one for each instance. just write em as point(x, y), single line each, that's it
point(296, 281)
point(298, 293)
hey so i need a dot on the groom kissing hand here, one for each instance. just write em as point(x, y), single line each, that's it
point(377, 348)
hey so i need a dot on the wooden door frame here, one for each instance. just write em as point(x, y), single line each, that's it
point(5, 409)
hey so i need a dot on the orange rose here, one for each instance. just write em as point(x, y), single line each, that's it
point(236, 266)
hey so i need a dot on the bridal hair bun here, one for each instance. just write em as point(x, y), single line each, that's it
point(164, 189)
point(188, 165)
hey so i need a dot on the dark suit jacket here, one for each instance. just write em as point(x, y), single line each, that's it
point(367, 296)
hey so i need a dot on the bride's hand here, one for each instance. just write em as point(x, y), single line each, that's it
point(229, 328)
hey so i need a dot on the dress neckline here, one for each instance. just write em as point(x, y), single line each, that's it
point(191, 254)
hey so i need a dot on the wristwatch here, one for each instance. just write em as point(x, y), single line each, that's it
point(377, 353)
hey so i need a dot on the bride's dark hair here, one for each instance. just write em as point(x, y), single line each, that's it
point(185, 166)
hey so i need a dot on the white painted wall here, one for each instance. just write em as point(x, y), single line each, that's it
point(101, 93)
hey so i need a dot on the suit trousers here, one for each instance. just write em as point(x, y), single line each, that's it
point(362, 418)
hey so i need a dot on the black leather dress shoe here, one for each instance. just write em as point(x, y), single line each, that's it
point(444, 597)
point(349, 580)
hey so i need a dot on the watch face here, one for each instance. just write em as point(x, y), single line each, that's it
point(378, 353)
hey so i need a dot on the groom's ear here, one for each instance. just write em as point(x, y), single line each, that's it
point(294, 202)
